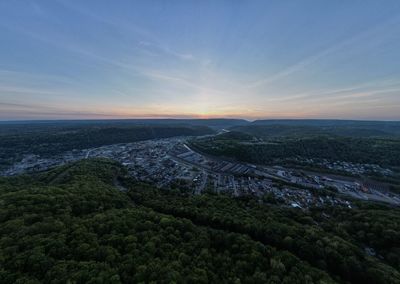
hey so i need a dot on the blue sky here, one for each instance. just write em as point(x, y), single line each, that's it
point(66, 59)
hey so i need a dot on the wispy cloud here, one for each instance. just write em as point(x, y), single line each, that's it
point(23, 77)
point(306, 62)
point(156, 47)
point(59, 42)
point(367, 89)
point(176, 80)
point(70, 57)
point(23, 90)
point(150, 42)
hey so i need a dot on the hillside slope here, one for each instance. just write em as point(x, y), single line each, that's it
point(73, 225)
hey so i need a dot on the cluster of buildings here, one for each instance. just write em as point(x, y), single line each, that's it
point(354, 169)
point(35, 163)
point(304, 199)
point(247, 179)
point(171, 163)
point(149, 161)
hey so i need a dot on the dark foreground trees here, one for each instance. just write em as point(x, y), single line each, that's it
point(71, 225)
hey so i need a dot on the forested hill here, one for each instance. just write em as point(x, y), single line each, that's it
point(298, 131)
point(351, 128)
point(384, 152)
point(74, 225)
point(328, 122)
point(215, 123)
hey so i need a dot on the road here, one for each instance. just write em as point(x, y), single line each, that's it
point(88, 153)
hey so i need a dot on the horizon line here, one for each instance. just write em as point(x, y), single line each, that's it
point(191, 118)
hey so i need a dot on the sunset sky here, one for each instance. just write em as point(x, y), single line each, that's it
point(66, 59)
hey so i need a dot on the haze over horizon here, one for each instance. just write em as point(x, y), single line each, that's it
point(199, 59)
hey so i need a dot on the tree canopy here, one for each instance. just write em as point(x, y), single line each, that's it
point(72, 225)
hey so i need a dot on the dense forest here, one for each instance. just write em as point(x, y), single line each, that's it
point(331, 239)
point(276, 131)
point(350, 128)
point(73, 225)
point(49, 140)
point(382, 151)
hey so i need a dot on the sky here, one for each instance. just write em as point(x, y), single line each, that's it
point(98, 59)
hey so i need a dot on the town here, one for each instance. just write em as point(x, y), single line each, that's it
point(172, 163)
point(340, 166)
